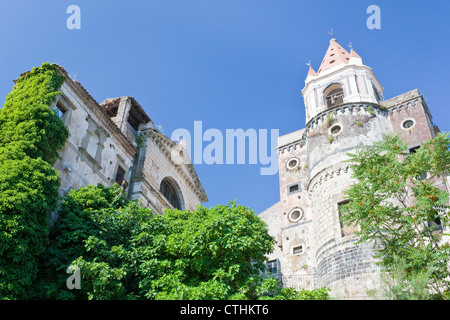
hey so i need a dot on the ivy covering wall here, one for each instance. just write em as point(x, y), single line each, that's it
point(31, 134)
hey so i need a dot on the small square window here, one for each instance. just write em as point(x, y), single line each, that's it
point(293, 188)
point(60, 110)
point(297, 249)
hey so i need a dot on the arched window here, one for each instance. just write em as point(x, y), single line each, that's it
point(334, 95)
point(170, 193)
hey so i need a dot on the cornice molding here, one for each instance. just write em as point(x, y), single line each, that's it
point(186, 171)
point(95, 108)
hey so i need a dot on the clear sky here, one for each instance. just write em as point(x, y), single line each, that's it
point(230, 64)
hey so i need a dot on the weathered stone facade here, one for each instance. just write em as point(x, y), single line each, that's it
point(345, 109)
point(116, 141)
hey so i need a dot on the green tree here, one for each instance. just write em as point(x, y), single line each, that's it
point(269, 288)
point(211, 253)
point(395, 203)
point(30, 136)
point(124, 251)
point(79, 221)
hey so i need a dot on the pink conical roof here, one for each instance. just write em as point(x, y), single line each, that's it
point(354, 54)
point(335, 56)
point(311, 72)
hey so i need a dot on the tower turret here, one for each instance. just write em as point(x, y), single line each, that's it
point(342, 78)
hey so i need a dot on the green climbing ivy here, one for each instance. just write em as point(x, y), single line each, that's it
point(31, 134)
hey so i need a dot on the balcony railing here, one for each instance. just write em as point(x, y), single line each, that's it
point(335, 99)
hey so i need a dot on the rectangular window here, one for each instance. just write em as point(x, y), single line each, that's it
point(345, 230)
point(297, 249)
point(120, 175)
point(293, 188)
point(272, 267)
point(60, 110)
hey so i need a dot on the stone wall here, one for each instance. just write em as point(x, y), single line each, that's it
point(157, 162)
point(93, 151)
point(410, 106)
point(104, 138)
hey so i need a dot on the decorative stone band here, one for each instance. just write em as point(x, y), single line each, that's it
point(409, 104)
point(326, 174)
point(407, 100)
point(292, 146)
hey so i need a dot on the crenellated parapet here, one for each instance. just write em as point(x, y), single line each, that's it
point(345, 109)
point(325, 175)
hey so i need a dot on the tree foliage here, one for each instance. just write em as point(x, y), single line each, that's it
point(124, 251)
point(30, 136)
point(398, 202)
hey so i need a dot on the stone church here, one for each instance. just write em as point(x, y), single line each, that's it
point(345, 109)
point(116, 142)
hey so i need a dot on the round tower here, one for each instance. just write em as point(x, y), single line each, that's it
point(342, 112)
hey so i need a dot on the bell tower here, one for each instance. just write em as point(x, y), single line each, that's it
point(345, 111)
point(341, 78)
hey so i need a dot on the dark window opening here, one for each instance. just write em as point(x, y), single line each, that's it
point(293, 188)
point(335, 98)
point(137, 116)
point(112, 111)
point(422, 176)
point(133, 121)
point(297, 250)
point(120, 177)
point(408, 124)
point(170, 194)
point(336, 129)
point(414, 149)
point(345, 230)
point(272, 267)
point(60, 110)
point(293, 163)
point(436, 224)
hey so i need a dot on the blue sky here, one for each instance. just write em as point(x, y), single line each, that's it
point(230, 64)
